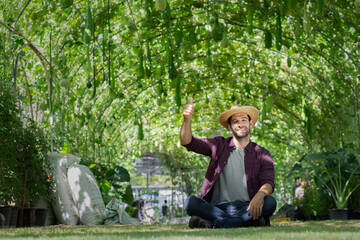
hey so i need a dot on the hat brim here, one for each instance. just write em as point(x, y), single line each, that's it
point(253, 112)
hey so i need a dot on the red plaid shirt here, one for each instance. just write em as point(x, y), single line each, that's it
point(259, 167)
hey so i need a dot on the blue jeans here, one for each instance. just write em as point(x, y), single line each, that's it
point(227, 215)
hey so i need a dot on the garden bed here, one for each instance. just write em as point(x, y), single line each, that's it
point(283, 230)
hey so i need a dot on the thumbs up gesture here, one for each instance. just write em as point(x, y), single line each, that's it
point(188, 109)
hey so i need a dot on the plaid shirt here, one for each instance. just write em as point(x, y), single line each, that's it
point(259, 167)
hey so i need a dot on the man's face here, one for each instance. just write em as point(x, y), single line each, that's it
point(303, 183)
point(298, 181)
point(240, 125)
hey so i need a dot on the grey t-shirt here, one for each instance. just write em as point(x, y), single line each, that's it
point(231, 185)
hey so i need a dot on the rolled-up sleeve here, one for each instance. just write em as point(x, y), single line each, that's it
point(200, 145)
point(267, 169)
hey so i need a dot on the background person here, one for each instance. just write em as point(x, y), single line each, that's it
point(164, 208)
point(297, 184)
point(300, 190)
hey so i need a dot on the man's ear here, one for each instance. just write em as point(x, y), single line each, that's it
point(251, 123)
point(229, 127)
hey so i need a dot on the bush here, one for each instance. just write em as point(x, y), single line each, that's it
point(24, 164)
point(114, 182)
point(34, 164)
point(316, 201)
point(336, 171)
point(10, 125)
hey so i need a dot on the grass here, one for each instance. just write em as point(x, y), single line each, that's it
point(284, 230)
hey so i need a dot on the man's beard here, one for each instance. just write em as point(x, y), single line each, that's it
point(242, 134)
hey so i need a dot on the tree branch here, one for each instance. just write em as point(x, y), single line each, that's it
point(43, 60)
point(31, 45)
point(22, 11)
point(28, 90)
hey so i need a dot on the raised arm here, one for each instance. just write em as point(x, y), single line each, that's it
point(185, 132)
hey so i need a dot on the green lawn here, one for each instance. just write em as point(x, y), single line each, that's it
point(286, 230)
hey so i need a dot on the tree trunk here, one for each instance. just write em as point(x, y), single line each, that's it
point(21, 213)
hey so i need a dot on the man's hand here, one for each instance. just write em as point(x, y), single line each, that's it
point(185, 132)
point(188, 109)
point(256, 205)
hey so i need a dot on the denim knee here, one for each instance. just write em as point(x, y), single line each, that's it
point(269, 205)
point(189, 202)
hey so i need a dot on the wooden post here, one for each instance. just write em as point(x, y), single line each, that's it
point(182, 193)
point(172, 195)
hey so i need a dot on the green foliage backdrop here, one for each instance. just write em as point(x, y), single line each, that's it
point(107, 78)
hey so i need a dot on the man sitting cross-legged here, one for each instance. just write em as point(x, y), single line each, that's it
point(240, 176)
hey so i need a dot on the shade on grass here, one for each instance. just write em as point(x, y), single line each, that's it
point(288, 230)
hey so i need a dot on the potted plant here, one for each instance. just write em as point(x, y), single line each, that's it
point(315, 203)
point(337, 175)
point(34, 166)
point(24, 164)
point(10, 127)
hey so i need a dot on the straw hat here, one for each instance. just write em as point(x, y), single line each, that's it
point(253, 112)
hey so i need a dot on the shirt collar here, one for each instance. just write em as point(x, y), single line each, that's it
point(248, 147)
point(231, 143)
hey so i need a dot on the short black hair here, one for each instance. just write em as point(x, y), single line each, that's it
point(297, 178)
point(229, 119)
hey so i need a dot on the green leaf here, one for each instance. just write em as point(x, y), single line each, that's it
point(320, 5)
point(316, 156)
point(89, 27)
point(104, 186)
point(192, 36)
point(278, 35)
point(118, 174)
point(66, 3)
point(225, 43)
point(178, 92)
point(217, 34)
point(128, 195)
point(208, 59)
point(141, 65)
point(178, 33)
point(172, 70)
point(233, 97)
point(147, 6)
point(306, 22)
point(250, 16)
point(92, 165)
point(284, 7)
point(288, 60)
point(169, 52)
point(268, 39)
point(247, 89)
point(140, 132)
point(160, 5)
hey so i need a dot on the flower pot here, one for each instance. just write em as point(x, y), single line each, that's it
point(40, 216)
point(322, 217)
point(5, 212)
point(29, 217)
point(339, 214)
point(14, 216)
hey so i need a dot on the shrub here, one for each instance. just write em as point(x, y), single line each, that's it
point(10, 181)
point(24, 165)
point(34, 164)
point(316, 201)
